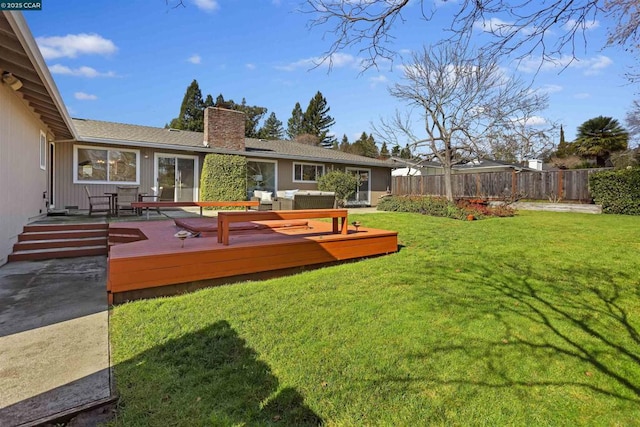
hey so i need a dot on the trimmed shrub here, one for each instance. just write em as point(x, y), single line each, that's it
point(224, 178)
point(342, 183)
point(434, 206)
point(617, 191)
point(440, 206)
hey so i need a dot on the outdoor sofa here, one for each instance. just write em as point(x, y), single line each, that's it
point(295, 199)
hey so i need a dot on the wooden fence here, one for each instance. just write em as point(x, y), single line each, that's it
point(546, 185)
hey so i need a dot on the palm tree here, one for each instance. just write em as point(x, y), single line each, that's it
point(599, 137)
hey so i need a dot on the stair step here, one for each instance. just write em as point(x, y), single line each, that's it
point(36, 254)
point(59, 243)
point(64, 227)
point(57, 235)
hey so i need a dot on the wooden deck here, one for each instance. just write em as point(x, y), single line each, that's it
point(157, 259)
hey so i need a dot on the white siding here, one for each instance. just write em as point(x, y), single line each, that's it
point(22, 182)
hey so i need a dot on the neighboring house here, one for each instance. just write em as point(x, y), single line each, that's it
point(32, 118)
point(475, 166)
point(107, 154)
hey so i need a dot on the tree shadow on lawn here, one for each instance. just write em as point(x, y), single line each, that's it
point(209, 377)
point(582, 322)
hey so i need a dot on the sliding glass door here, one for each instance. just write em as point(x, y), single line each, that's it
point(178, 177)
point(362, 196)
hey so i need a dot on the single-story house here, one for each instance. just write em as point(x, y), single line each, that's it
point(151, 157)
point(47, 158)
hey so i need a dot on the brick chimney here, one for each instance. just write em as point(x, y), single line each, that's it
point(224, 128)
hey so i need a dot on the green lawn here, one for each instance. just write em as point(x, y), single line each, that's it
point(531, 320)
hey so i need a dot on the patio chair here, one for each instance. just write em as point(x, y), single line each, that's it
point(98, 203)
point(152, 198)
point(126, 196)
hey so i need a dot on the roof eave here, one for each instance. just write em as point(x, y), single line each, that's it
point(23, 34)
point(206, 150)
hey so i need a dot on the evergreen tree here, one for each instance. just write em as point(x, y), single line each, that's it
point(272, 128)
point(405, 153)
point(191, 115)
point(372, 148)
point(395, 151)
point(365, 146)
point(345, 145)
point(384, 151)
point(317, 121)
point(565, 149)
point(220, 102)
point(294, 124)
point(208, 102)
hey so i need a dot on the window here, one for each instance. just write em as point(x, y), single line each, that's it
point(307, 172)
point(43, 151)
point(261, 175)
point(102, 165)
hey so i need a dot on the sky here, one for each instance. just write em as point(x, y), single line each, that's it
point(131, 62)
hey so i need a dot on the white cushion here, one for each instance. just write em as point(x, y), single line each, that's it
point(266, 196)
point(257, 193)
point(290, 193)
point(281, 193)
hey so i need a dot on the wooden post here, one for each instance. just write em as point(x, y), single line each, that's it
point(514, 184)
point(560, 184)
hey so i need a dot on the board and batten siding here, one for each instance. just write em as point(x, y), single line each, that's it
point(22, 181)
point(69, 194)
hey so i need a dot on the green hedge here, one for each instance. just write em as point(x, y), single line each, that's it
point(224, 178)
point(617, 191)
point(434, 206)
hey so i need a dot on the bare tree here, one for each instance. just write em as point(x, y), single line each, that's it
point(633, 120)
point(526, 137)
point(548, 29)
point(462, 98)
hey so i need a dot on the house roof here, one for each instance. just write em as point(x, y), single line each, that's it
point(146, 136)
point(478, 164)
point(20, 56)
point(488, 163)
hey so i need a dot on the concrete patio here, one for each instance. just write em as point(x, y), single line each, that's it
point(54, 340)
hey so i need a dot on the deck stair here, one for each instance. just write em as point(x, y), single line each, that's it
point(46, 241)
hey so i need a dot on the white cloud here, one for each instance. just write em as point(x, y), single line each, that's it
point(536, 121)
point(573, 24)
point(337, 60)
point(493, 25)
point(72, 45)
point(597, 64)
point(530, 121)
point(79, 72)
point(550, 88)
point(250, 66)
point(582, 95)
point(195, 59)
point(85, 96)
point(590, 66)
point(207, 5)
point(381, 79)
